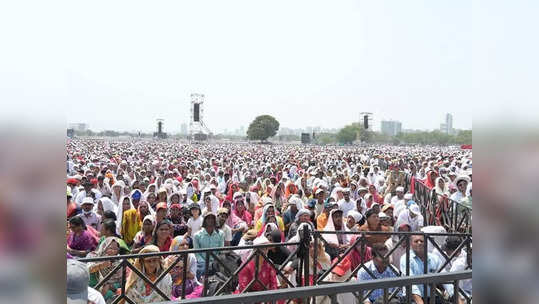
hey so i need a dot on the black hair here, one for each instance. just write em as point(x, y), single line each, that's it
point(377, 247)
point(362, 221)
point(275, 236)
point(369, 212)
point(204, 221)
point(161, 223)
point(109, 215)
point(451, 243)
point(109, 225)
point(77, 221)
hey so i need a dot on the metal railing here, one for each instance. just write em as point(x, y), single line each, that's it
point(257, 254)
point(333, 290)
point(404, 238)
point(183, 255)
point(440, 210)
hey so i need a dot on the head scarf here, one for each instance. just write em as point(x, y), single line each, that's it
point(332, 238)
point(150, 209)
point(140, 266)
point(120, 213)
point(121, 185)
point(439, 190)
point(301, 212)
point(273, 227)
point(245, 215)
point(148, 191)
point(169, 198)
point(233, 220)
point(108, 204)
point(356, 215)
point(428, 181)
point(101, 250)
point(263, 218)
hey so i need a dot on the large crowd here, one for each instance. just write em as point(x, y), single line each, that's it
point(155, 196)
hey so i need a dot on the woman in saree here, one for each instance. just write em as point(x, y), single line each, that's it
point(152, 267)
point(145, 236)
point(129, 221)
point(266, 273)
point(192, 288)
point(80, 240)
point(111, 246)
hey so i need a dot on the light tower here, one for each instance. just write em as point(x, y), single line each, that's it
point(197, 128)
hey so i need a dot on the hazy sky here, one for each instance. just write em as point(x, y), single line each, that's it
point(122, 64)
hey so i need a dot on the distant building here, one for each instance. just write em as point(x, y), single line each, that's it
point(447, 126)
point(183, 129)
point(391, 127)
point(81, 127)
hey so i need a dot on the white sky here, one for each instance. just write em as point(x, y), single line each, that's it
point(122, 64)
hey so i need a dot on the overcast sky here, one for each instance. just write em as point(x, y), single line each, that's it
point(122, 64)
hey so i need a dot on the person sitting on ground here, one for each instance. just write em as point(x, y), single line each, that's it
point(379, 267)
point(322, 219)
point(152, 267)
point(266, 277)
point(336, 242)
point(89, 216)
point(222, 217)
point(193, 289)
point(411, 216)
point(145, 236)
point(80, 241)
point(354, 220)
point(302, 216)
point(111, 246)
point(161, 235)
point(176, 217)
point(373, 224)
point(269, 210)
point(78, 290)
point(294, 204)
point(417, 261)
point(207, 237)
point(194, 224)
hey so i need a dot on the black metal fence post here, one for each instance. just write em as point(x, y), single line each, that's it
point(206, 268)
point(408, 287)
point(184, 281)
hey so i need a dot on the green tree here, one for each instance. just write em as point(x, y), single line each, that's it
point(464, 137)
point(262, 128)
point(347, 134)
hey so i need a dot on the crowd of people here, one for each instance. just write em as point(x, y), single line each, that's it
point(156, 196)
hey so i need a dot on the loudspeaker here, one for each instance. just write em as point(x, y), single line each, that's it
point(366, 121)
point(305, 138)
point(196, 116)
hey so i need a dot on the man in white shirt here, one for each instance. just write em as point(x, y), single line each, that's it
point(346, 204)
point(400, 205)
point(82, 194)
point(399, 196)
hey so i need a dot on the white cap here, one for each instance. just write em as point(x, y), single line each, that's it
point(408, 196)
point(88, 200)
point(414, 208)
point(400, 189)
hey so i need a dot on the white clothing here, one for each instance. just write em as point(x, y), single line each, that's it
point(227, 232)
point(195, 225)
point(346, 206)
point(95, 296)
